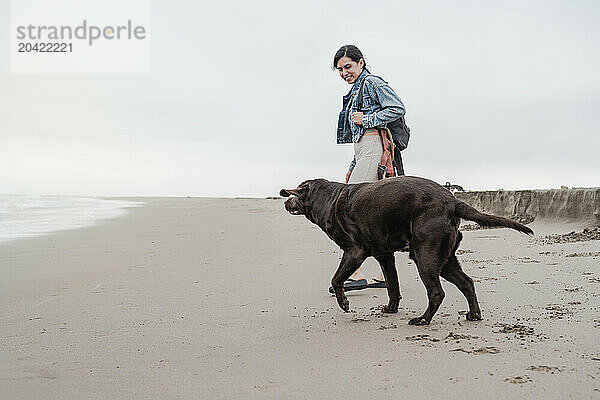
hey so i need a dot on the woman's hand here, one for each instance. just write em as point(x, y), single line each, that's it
point(357, 118)
point(348, 176)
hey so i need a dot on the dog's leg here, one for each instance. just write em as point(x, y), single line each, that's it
point(435, 294)
point(433, 242)
point(452, 272)
point(429, 256)
point(387, 263)
point(351, 260)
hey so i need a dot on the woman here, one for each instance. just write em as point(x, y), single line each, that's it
point(380, 105)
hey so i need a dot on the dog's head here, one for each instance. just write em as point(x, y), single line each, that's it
point(295, 205)
point(301, 199)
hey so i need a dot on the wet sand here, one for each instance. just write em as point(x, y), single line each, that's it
point(227, 298)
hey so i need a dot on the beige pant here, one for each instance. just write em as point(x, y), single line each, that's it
point(368, 151)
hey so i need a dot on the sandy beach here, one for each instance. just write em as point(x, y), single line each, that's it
point(227, 299)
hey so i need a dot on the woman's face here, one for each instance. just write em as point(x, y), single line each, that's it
point(350, 70)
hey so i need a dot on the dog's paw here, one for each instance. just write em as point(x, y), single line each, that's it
point(344, 304)
point(418, 321)
point(389, 309)
point(474, 316)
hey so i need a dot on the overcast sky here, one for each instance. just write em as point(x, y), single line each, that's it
point(242, 100)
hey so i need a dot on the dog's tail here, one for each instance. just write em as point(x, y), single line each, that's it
point(463, 210)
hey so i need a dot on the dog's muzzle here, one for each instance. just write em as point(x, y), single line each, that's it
point(293, 206)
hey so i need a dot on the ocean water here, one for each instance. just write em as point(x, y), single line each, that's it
point(30, 215)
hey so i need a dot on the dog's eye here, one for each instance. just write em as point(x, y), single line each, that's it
point(303, 191)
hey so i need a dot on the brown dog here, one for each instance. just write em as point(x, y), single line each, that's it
point(376, 219)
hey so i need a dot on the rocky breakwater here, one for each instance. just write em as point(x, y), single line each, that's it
point(578, 204)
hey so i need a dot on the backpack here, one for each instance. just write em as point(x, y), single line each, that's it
point(400, 131)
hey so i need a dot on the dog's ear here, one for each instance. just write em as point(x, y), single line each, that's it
point(288, 192)
point(299, 192)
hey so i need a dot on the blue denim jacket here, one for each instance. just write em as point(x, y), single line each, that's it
point(380, 106)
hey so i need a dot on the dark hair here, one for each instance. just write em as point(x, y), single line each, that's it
point(350, 51)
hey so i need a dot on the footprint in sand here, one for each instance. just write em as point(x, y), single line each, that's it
point(556, 311)
point(545, 368)
point(527, 260)
point(481, 350)
point(464, 251)
point(520, 330)
point(422, 337)
point(588, 254)
point(458, 336)
point(518, 380)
